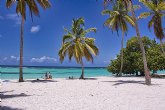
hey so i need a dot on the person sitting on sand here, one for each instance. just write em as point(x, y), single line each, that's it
point(70, 77)
point(46, 75)
point(50, 76)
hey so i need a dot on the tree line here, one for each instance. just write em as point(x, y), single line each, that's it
point(133, 61)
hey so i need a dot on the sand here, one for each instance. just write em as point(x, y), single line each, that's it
point(103, 93)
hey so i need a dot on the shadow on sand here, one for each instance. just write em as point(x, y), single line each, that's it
point(81, 79)
point(8, 108)
point(120, 82)
point(6, 81)
point(90, 78)
point(40, 81)
point(6, 91)
point(3, 96)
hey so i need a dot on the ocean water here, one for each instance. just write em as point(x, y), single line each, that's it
point(56, 72)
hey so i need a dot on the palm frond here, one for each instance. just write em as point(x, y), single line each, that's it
point(150, 23)
point(88, 55)
point(9, 3)
point(67, 37)
point(161, 6)
point(144, 15)
point(129, 19)
point(89, 30)
point(158, 29)
point(70, 52)
point(44, 3)
point(149, 5)
point(92, 50)
point(135, 7)
point(104, 12)
point(124, 26)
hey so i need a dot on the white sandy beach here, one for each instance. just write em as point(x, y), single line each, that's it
point(103, 93)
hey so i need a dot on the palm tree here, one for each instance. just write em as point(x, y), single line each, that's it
point(157, 11)
point(76, 44)
point(118, 20)
point(21, 9)
point(128, 3)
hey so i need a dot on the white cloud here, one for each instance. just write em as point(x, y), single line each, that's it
point(35, 29)
point(44, 59)
point(11, 58)
point(15, 18)
point(14, 58)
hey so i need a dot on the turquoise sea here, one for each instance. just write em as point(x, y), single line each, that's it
point(56, 72)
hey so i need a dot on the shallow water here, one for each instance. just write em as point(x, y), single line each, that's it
point(56, 72)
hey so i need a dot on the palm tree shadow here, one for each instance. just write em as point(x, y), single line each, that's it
point(6, 81)
point(6, 91)
point(90, 78)
point(81, 79)
point(3, 96)
point(41, 81)
point(8, 108)
point(120, 82)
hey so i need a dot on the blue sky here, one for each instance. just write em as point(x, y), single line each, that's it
point(43, 36)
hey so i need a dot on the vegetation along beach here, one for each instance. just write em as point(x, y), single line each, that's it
point(82, 54)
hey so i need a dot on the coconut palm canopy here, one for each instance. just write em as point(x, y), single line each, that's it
point(76, 44)
point(156, 12)
point(118, 18)
point(22, 5)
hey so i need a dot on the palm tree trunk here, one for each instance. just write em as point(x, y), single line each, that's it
point(147, 72)
point(122, 45)
point(162, 47)
point(82, 74)
point(21, 52)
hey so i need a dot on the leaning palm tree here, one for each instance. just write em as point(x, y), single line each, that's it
point(21, 10)
point(129, 4)
point(157, 11)
point(118, 19)
point(76, 44)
